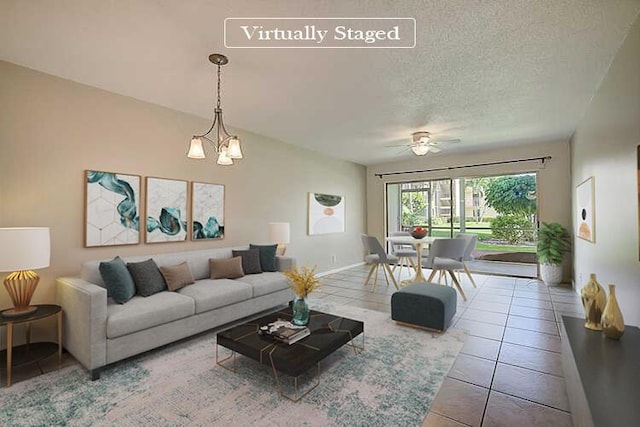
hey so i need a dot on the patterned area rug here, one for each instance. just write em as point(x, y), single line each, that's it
point(391, 384)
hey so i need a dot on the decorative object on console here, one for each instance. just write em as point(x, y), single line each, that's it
point(22, 250)
point(553, 243)
point(419, 233)
point(279, 232)
point(112, 206)
point(585, 204)
point(302, 282)
point(227, 146)
point(612, 320)
point(594, 300)
point(166, 210)
point(207, 211)
point(285, 331)
point(326, 213)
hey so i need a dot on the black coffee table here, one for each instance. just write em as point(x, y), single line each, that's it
point(328, 334)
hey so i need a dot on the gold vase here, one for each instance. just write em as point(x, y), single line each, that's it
point(612, 320)
point(594, 300)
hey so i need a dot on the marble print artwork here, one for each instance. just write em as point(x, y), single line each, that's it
point(207, 207)
point(166, 210)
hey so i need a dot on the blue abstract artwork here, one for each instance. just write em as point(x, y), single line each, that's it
point(112, 206)
point(207, 207)
point(166, 210)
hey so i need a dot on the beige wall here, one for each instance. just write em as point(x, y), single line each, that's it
point(51, 130)
point(553, 178)
point(604, 146)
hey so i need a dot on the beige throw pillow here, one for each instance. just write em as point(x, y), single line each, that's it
point(229, 268)
point(177, 276)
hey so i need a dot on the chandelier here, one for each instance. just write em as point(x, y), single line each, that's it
point(227, 146)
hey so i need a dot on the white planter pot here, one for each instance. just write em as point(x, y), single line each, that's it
point(551, 274)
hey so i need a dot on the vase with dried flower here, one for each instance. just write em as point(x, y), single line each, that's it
point(612, 320)
point(302, 282)
point(593, 300)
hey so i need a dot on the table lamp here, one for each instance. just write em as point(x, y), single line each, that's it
point(22, 250)
point(279, 233)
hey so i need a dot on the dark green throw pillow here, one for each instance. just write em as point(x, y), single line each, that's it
point(147, 277)
point(117, 280)
point(267, 256)
point(250, 261)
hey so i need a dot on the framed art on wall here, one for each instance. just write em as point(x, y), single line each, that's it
point(585, 210)
point(326, 214)
point(207, 211)
point(166, 210)
point(112, 206)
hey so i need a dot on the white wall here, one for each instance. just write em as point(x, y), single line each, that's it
point(604, 146)
point(51, 130)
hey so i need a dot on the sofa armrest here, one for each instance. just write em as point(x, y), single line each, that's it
point(284, 263)
point(84, 320)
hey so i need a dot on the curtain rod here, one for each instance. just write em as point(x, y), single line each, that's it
point(542, 159)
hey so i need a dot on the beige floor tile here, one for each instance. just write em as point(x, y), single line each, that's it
point(461, 401)
point(485, 316)
point(385, 308)
point(569, 307)
point(481, 329)
point(531, 358)
point(484, 295)
point(532, 295)
point(490, 306)
point(481, 347)
point(495, 291)
point(473, 370)
point(338, 300)
point(353, 293)
point(437, 420)
point(508, 411)
point(531, 385)
point(532, 303)
point(532, 339)
point(537, 325)
point(534, 313)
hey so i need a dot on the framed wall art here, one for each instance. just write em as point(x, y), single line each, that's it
point(326, 214)
point(112, 209)
point(207, 211)
point(166, 210)
point(585, 210)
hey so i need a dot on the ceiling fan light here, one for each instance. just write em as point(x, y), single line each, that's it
point(234, 152)
point(223, 157)
point(420, 149)
point(196, 150)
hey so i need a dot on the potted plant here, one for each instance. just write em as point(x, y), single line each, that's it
point(554, 242)
point(302, 282)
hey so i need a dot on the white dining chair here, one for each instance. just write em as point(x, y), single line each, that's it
point(444, 257)
point(405, 253)
point(376, 256)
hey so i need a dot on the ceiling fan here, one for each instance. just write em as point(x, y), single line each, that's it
point(422, 142)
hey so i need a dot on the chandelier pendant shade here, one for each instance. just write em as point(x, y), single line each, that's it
point(227, 146)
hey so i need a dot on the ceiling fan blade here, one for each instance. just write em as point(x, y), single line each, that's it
point(434, 149)
point(437, 139)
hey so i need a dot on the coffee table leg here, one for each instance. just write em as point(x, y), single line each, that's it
point(358, 349)
point(296, 389)
point(221, 361)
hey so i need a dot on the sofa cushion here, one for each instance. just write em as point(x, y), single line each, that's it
point(141, 313)
point(177, 276)
point(117, 280)
point(226, 268)
point(250, 260)
point(147, 277)
point(210, 294)
point(265, 283)
point(267, 256)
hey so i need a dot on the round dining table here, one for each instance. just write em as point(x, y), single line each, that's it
point(419, 245)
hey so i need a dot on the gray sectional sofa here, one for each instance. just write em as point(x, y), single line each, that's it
point(97, 331)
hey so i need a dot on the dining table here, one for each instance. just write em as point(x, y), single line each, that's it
point(419, 245)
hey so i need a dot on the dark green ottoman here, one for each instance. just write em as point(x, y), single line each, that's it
point(428, 305)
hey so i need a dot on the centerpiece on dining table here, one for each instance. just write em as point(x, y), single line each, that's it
point(302, 282)
point(419, 232)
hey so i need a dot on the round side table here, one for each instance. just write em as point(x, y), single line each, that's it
point(30, 353)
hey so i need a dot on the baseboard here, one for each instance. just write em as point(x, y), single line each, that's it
point(336, 270)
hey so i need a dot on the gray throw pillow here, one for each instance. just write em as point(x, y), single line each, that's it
point(147, 277)
point(250, 261)
point(267, 256)
point(227, 268)
point(177, 276)
point(117, 280)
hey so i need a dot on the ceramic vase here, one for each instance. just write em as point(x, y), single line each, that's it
point(612, 320)
point(593, 300)
point(300, 312)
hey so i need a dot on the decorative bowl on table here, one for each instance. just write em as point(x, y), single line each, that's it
point(419, 232)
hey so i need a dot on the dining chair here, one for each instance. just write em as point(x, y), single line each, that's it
point(376, 256)
point(471, 240)
point(444, 257)
point(405, 253)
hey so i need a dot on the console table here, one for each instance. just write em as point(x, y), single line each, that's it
point(29, 353)
point(602, 375)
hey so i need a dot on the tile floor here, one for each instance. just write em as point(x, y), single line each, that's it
point(508, 372)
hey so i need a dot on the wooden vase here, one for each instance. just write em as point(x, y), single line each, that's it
point(612, 320)
point(594, 300)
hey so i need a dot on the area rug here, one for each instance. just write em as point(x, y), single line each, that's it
point(392, 383)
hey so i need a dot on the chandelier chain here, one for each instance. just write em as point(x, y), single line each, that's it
point(218, 86)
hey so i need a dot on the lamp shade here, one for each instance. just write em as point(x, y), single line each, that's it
point(279, 232)
point(24, 248)
point(196, 150)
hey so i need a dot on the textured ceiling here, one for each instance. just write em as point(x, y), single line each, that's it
point(491, 73)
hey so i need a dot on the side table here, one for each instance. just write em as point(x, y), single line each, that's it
point(29, 353)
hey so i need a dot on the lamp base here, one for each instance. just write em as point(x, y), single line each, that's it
point(19, 311)
point(281, 249)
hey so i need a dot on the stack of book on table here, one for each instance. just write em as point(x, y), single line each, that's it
point(285, 331)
